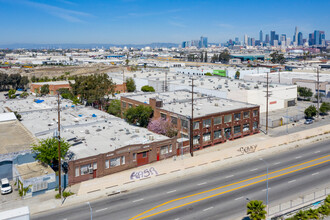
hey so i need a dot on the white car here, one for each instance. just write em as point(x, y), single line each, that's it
point(5, 186)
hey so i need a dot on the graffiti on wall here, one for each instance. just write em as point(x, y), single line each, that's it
point(143, 173)
point(248, 149)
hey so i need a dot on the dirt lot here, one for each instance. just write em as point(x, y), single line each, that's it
point(51, 71)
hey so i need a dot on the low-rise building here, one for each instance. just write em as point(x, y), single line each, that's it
point(54, 86)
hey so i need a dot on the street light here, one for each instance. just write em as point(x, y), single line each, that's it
point(90, 210)
point(267, 184)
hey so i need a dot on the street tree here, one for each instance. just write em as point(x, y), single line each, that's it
point(256, 210)
point(139, 115)
point(23, 82)
point(114, 108)
point(237, 74)
point(147, 88)
point(11, 93)
point(325, 107)
point(164, 127)
point(277, 57)
point(130, 85)
point(44, 90)
point(310, 111)
point(304, 92)
point(47, 150)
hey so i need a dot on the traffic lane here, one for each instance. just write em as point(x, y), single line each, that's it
point(323, 169)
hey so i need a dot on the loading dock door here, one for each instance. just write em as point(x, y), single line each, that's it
point(6, 169)
point(142, 158)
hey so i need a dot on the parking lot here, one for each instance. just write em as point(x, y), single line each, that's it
point(11, 196)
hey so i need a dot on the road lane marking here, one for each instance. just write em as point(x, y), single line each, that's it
point(298, 157)
point(291, 181)
point(254, 169)
point(239, 198)
point(265, 189)
point(317, 151)
point(138, 217)
point(199, 184)
point(171, 191)
point(204, 210)
point(229, 176)
point(100, 210)
point(138, 200)
point(315, 173)
point(277, 163)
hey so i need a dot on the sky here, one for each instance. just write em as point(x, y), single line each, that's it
point(148, 21)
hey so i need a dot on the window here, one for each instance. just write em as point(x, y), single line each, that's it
point(196, 140)
point(124, 104)
point(206, 137)
point(164, 150)
point(130, 105)
point(163, 116)
point(122, 160)
point(107, 164)
point(237, 129)
point(255, 125)
point(184, 123)
point(134, 156)
point(114, 162)
point(170, 148)
point(217, 134)
point(255, 113)
point(227, 118)
point(144, 154)
point(84, 169)
point(217, 120)
point(174, 120)
point(184, 135)
point(95, 166)
point(77, 171)
point(206, 123)
point(237, 116)
point(246, 115)
point(246, 127)
point(196, 125)
point(39, 186)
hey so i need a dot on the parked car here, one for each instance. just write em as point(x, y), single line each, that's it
point(308, 121)
point(5, 186)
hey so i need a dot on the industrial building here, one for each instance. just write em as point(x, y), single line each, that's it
point(215, 119)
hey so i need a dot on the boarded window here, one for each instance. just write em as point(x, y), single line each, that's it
point(227, 118)
point(206, 123)
point(39, 186)
point(217, 120)
point(114, 162)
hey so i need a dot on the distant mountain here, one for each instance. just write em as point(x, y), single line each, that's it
point(82, 46)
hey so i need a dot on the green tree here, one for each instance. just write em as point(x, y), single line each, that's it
point(147, 88)
point(277, 58)
point(256, 210)
point(224, 56)
point(310, 111)
point(47, 150)
point(130, 85)
point(324, 210)
point(312, 214)
point(208, 74)
point(301, 215)
point(139, 115)
point(11, 93)
point(18, 116)
point(114, 108)
point(237, 74)
point(304, 92)
point(214, 58)
point(325, 107)
point(44, 90)
point(24, 95)
point(23, 82)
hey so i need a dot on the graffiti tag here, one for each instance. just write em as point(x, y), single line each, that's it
point(248, 149)
point(143, 173)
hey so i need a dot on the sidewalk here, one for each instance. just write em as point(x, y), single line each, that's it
point(166, 170)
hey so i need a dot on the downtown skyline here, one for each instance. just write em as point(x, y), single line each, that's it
point(144, 22)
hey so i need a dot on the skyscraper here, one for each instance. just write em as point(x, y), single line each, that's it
point(322, 38)
point(311, 39)
point(203, 42)
point(317, 38)
point(300, 39)
point(261, 36)
point(272, 37)
point(245, 40)
point(295, 36)
point(267, 39)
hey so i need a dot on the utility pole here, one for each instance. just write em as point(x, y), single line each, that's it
point(192, 118)
point(279, 76)
point(124, 81)
point(318, 92)
point(165, 82)
point(59, 145)
point(267, 107)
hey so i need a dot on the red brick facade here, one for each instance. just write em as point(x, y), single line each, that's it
point(35, 87)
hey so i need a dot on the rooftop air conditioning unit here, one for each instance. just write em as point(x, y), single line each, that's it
point(137, 130)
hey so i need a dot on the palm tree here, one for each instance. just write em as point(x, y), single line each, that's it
point(256, 210)
point(301, 215)
point(313, 214)
point(324, 210)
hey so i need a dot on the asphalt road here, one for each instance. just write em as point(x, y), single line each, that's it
point(231, 199)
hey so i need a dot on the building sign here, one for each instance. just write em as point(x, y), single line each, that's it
point(273, 102)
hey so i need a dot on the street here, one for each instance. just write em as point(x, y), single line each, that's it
point(215, 194)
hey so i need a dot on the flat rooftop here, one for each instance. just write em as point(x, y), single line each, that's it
point(32, 170)
point(179, 102)
point(90, 131)
point(53, 83)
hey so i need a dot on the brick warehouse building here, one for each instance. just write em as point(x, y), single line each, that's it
point(216, 120)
